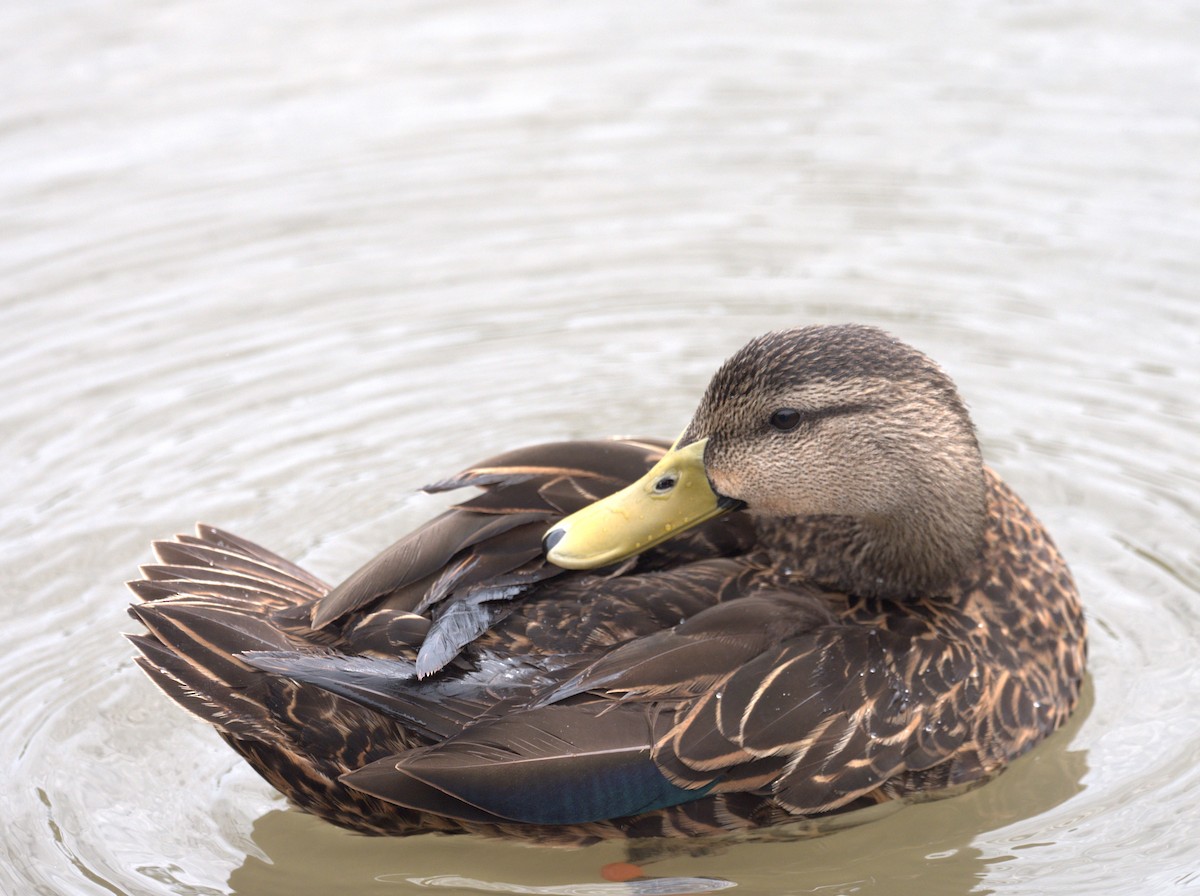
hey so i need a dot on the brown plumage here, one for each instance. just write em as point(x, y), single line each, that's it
point(885, 617)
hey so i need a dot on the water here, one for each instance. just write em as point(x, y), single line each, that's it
point(274, 266)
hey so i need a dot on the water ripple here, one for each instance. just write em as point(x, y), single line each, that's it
point(276, 267)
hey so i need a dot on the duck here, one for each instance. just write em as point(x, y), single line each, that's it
point(817, 599)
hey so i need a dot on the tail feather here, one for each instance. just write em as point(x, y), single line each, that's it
point(181, 554)
point(211, 599)
point(209, 639)
point(246, 597)
point(207, 575)
point(211, 535)
point(222, 706)
point(148, 591)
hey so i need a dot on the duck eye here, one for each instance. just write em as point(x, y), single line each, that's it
point(785, 419)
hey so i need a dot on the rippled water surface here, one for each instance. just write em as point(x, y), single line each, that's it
point(275, 265)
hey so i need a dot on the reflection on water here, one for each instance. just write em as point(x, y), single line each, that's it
point(667, 886)
point(276, 265)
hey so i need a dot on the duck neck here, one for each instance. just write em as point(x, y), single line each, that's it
point(917, 553)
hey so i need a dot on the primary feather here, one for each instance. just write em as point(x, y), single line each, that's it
point(525, 767)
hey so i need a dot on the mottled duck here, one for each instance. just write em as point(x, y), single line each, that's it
point(818, 598)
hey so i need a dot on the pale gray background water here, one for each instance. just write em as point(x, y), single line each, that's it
point(275, 265)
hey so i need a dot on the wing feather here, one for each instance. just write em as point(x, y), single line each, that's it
point(554, 765)
point(475, 539)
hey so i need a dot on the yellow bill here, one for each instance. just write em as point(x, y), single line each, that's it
point(672, 497)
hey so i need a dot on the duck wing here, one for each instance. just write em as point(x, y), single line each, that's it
point(459, 570)
point(567, 764)
point(848, 709)
point(768, 697)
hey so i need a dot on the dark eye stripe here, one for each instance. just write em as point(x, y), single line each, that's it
point(787, 419)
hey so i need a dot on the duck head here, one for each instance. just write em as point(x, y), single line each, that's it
point(840, 426)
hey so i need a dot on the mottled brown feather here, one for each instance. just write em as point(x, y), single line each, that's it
point(784, 666)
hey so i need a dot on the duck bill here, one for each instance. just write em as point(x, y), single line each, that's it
point(674, 496)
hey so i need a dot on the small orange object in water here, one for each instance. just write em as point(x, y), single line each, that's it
point(619, 872)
